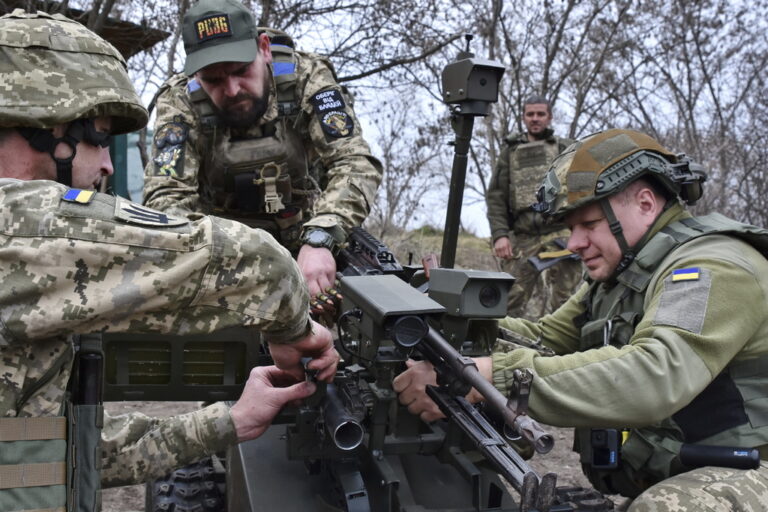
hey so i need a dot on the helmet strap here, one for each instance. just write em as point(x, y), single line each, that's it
point(44, 141)
point(627, 254)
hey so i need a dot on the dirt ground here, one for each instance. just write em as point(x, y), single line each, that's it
point(561, 460)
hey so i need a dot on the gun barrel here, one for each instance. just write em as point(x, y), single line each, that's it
point(541, 441)
point(344, 429)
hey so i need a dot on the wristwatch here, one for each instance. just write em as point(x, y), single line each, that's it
point(319, 238)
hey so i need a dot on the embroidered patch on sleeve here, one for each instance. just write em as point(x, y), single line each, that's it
point(330, 110)
point(169, 142)
point(137, 214)
point(76, 195)
point(683, 302)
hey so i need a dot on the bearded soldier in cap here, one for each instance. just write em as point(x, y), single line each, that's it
point(256, 131)
point(663, 353)
point(520, 234)
point(75, 261)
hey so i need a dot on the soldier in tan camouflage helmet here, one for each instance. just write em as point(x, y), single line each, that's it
point(256, 131)
point(75, 261)
point(518, 233)
point(663, 353)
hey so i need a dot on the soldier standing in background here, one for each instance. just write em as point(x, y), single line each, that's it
point(73, 261)
point(256, 131)
point(519, 233)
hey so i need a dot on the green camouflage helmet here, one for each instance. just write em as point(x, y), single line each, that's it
point(53, 70)
point(604, 163)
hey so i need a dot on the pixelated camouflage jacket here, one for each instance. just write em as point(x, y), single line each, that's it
point(512, 189)
point(111, 265)
point(350, 176)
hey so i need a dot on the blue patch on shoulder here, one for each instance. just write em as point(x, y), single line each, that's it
point(192, 85)
point(283, 68)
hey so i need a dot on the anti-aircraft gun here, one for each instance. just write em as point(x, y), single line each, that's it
point(352, 446)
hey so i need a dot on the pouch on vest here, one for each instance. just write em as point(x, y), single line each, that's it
point(86, 419)
point(33, 467)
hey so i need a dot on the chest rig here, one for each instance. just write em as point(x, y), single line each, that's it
point(612, 313)
point(262, 178)
point(528, 162)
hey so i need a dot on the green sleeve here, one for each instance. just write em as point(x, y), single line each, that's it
point(556, 330)
point(676, 351)
point(497, 198)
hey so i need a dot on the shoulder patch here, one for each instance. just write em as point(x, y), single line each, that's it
point(685, 274)
point(169, 143)
point(192, 85)
point(337, 124)
point(683, 301)
point(330, 110)
point(76, 195)
point(137, 214)
point(327, 100)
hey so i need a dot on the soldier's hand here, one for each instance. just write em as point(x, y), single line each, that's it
point(411, 386)
point(502, 248)
point(318, 345)
point(318, 268)
point(267, 390)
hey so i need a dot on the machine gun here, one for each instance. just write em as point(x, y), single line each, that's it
point(365, 255)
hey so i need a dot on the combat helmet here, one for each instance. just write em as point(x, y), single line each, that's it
point(55, 71)
point(603, 164)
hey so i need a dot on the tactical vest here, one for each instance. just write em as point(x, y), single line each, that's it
point(528, 163)
point(265, 180)
point(650, 454)
point(52, 464)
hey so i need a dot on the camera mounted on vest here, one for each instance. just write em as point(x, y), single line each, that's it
point(471, 82)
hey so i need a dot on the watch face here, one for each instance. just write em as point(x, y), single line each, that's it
point(319, 238)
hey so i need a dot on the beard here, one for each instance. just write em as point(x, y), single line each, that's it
point(244, 116)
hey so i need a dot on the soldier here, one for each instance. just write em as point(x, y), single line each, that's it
point(666, 342)
point(75, 261)
point(256, 131)
point(518, 233)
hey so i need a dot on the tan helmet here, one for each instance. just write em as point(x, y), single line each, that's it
point(53, 70)
point(604, 163)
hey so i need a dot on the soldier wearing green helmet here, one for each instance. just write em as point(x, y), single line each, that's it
point(75, 262)
point(662, 354)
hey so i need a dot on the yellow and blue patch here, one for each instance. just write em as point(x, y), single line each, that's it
point(686, 274)
point(76, 195)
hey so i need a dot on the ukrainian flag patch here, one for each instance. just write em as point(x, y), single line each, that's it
point(76, 195)
point(686, 274)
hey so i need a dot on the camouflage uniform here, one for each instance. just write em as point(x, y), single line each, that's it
point(333, 176)
point(111, 265)
point(511, 191)
point(79, 262)
point(673, 348)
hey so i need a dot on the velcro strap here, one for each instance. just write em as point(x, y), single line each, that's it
point(14, 476)
point(33, 429)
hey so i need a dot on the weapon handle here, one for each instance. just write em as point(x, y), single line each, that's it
point(531, 431)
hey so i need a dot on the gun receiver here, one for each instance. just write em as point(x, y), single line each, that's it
point(386, 321)
point(365, 255)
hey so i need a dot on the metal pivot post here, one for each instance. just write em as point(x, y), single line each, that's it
point(470, 85)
